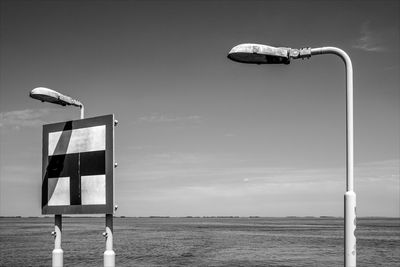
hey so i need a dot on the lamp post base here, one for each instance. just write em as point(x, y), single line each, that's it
point(58, 254)
point(349, 229)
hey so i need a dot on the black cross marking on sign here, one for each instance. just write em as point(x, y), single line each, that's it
point(74, 166)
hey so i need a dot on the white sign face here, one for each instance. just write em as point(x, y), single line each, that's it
point(78, 166)
point(80, 140)
point(60, 195)
point(93, 189)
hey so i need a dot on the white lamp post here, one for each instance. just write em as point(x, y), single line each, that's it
point(263, 54)
point(47, 95)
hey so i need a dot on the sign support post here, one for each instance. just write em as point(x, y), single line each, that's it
point(57, 251)
point(109, 254)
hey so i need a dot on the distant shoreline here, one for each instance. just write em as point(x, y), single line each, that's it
point(206, 217)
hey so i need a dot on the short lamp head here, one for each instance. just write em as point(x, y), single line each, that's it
point(48, 95)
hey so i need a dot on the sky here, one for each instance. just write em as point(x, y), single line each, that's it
point(198, 134)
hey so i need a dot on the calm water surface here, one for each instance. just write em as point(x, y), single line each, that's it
point(200, 241)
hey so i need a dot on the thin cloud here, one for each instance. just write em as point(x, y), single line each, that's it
point(383, 171)
point(230, 135)
point(203, 190)
point(159, 118)
point(178, 169)
point(369, 41)
point(225, 172)
point(23, 118)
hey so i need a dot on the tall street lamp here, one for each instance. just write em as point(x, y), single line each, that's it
point(264, 54)
point(48, 95)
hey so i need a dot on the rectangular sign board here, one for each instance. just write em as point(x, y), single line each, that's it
point(78, 166)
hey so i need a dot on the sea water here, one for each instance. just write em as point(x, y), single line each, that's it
point(201, 241)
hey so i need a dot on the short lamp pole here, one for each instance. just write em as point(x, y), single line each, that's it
point(82, 111)
point(48, 95)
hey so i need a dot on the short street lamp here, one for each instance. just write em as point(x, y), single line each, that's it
point(47, 95)
point(263, 54)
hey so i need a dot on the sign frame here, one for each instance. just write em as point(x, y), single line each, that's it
point(68, 127)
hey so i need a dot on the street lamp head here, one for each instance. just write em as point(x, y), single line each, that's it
point(259, 54)
point(47, 95)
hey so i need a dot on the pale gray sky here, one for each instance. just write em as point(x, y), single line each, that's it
point(199, 134)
